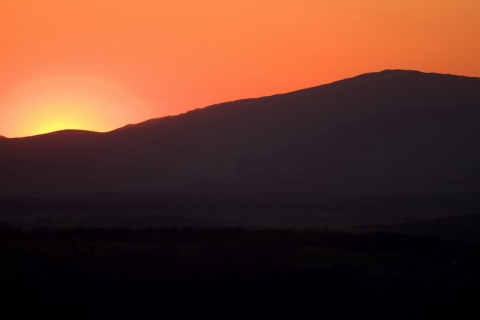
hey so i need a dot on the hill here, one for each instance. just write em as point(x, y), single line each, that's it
point(378, 136)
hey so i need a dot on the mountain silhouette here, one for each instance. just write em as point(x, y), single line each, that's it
point(391, 132)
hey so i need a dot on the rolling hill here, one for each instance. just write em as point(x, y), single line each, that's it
point(395, 135)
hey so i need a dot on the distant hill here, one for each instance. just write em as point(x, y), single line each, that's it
point(379, 132)
point(391, 132)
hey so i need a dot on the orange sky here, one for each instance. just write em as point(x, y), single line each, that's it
point(100, 64)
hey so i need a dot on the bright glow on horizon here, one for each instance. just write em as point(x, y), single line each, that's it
point(55, 117)
point(65, 102)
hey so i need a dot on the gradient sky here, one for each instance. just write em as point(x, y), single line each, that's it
point(101, 64)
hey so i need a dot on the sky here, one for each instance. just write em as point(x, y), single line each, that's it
point(101, 64)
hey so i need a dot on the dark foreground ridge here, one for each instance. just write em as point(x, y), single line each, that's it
point(234, 273)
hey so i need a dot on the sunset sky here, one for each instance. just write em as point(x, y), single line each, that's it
point(101, 64)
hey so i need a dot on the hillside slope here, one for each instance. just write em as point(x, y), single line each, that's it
point(388, 132)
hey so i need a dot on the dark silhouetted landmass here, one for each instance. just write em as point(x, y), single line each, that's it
point(401, 142)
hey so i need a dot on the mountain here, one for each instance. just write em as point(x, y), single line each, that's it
point(389, 133)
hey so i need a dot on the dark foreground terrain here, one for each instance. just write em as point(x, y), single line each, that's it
point(233, 272)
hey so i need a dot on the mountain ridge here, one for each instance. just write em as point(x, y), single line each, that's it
point(365, 76)
point(367, 133)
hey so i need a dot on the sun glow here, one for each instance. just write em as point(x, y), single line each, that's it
point(55, 117)
point(61, 103)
